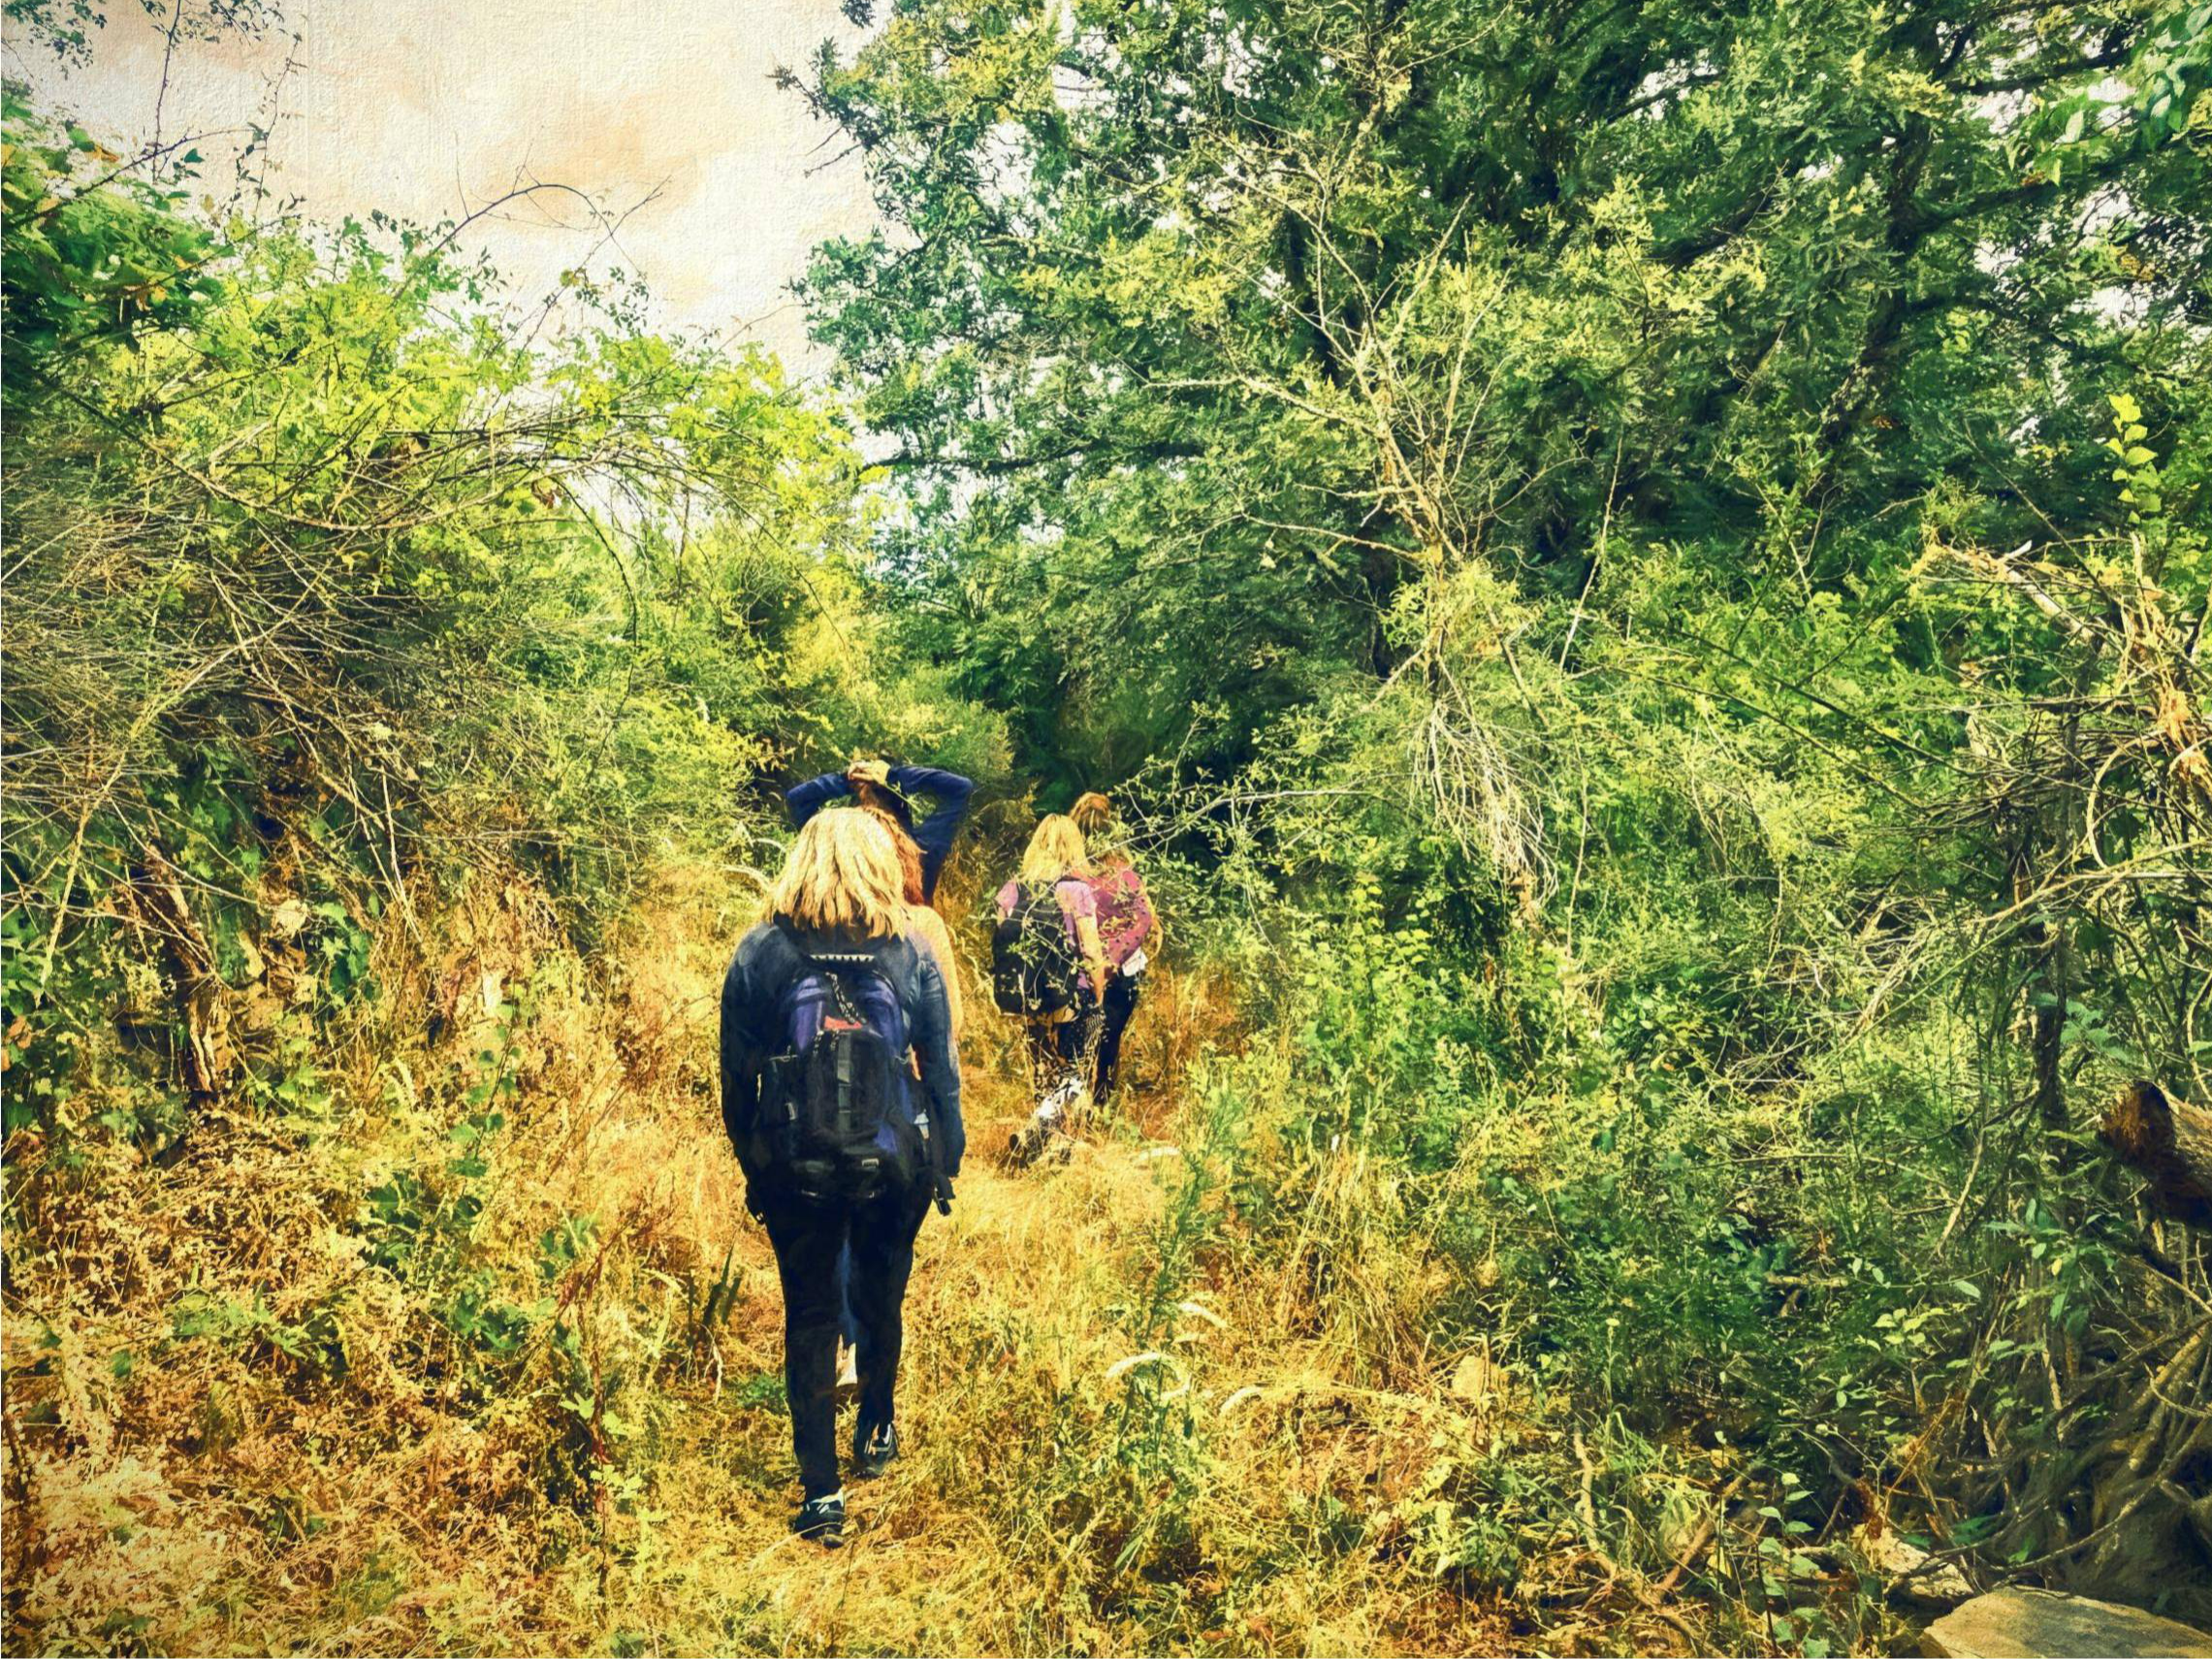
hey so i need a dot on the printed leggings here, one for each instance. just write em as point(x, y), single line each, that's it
point(1055, 1051)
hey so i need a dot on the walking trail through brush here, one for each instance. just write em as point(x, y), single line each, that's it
point(1160, 1398)
point(1031, 1256)
point(1040, 1503)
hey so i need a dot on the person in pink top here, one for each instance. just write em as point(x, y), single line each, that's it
point(1055, 860)
point(1129, 932)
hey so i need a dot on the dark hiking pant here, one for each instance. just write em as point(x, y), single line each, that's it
point(809, 1239)
point(1113, 1020)
point(847, 1325)
point(1057, 1051)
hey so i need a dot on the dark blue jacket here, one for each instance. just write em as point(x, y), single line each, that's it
point(933, 834)
point(766, 966)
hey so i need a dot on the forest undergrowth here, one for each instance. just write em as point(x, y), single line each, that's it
point(527, 1397)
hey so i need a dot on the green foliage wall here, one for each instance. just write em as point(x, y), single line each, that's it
point(338, 571)
point(1660, 550)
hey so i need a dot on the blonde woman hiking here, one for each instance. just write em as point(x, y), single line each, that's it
point(841, 1093)
point(1049, 968)
point(927, 930)
point(1129, 932)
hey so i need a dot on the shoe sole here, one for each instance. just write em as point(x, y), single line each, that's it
point(872, 1466)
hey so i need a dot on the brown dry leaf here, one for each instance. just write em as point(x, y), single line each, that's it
point(2173, 717)
point(2192, 768)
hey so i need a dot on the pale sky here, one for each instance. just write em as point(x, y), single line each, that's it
point(428, 109)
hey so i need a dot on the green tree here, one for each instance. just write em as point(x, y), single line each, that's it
point(1226, 322)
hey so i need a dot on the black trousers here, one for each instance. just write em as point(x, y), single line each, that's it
point(1057, 1050)
point(1120, 1004)
point(809, 1239)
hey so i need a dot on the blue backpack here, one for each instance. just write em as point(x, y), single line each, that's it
point(838, 1117)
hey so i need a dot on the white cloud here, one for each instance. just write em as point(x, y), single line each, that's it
point(426, 110)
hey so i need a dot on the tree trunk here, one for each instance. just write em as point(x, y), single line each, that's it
point(2170, 1143)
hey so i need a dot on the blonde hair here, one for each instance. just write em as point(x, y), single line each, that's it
point(841, 875)
point(903, 844)
point(1055, 849)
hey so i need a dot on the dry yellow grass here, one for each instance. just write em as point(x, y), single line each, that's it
point(230, 1431)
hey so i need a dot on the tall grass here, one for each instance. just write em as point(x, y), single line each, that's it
point(486, 1357)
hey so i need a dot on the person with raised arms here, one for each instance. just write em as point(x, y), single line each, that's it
point(892, 789)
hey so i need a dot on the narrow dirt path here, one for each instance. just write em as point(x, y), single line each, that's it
point(1054, 1494)
point(1012, 1307)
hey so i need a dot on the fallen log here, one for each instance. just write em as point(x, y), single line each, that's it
point(2166, 1143)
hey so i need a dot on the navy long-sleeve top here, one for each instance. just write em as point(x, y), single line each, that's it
point(763, 970)
point(933, 834)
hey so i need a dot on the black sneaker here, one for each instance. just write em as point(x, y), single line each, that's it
point(822, 1519)
point(875, 1451)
